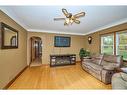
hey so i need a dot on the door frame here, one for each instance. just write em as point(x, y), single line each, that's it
point(31, 46)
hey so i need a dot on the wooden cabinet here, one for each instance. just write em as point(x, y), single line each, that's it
point(62, 59)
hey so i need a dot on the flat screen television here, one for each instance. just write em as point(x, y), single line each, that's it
point(61, 41)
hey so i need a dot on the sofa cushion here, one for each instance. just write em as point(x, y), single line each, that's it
point(105, 63)
point(112, 58)
point(97, 59)
point(94, 67)
point(110, 66)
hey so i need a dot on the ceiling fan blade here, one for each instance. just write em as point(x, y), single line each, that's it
point(59, 18)
point(65, 12)
point(79, 15)
point(77, 21)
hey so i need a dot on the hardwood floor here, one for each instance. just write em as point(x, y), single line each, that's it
point(64, 77)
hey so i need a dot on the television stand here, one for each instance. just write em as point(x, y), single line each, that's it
point(62, 59)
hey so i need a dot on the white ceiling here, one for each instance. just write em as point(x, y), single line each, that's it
point(40, 18)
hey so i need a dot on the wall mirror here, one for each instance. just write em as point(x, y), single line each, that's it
point(8, 37)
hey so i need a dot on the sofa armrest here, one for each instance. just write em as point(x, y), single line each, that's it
point(108, 68)
point(124, 70)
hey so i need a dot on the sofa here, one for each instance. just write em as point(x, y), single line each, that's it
point(102, 66)
point(119, 80)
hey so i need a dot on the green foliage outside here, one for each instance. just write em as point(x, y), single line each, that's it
point(123, 45)
point(122, 48)
point(108, 50)
point(123, 39)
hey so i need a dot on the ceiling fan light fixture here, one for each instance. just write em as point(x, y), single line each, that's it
point(67, 20)
point(70, 19)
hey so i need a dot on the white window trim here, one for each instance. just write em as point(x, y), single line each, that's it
point(107, 45)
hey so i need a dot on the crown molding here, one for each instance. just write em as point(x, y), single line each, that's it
point(49, 31)
point(108, 26)
point(13, 16)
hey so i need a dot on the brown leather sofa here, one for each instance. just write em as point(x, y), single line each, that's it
point(102, 66)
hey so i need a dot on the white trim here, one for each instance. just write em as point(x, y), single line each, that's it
point(108, 26)
point(12, 16)
point(49, 31)
point(5, 10)
point(102, 43)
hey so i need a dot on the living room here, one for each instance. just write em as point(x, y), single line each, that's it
point(44, 33)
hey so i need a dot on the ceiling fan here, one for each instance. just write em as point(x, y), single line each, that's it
point(69, 18)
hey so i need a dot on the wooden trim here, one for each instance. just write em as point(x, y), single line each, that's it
point(107, 33)
point(30, 51)
point(112, 32)
point(9, 84)
point(114, 43)
point(100, 44)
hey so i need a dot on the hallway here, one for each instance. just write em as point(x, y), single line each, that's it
point(36, 62)
point(36, 51)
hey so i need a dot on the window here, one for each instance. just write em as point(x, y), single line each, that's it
point(107, 44)
point(119, 47)
point(121, 44)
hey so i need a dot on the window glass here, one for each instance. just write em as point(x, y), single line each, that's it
point(107, 44)
point(121, 44)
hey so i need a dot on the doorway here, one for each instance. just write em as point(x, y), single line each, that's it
point(36, 51)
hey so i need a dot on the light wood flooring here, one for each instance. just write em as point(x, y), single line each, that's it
point(64, 77)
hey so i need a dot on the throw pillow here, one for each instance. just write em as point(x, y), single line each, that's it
point(124, 70)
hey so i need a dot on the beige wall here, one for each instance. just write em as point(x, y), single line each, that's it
point(48, 48)
point(95, 46)
point(12, 61)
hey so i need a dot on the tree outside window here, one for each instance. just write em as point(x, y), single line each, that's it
point(107, 44)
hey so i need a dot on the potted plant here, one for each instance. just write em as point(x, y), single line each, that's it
point(83, 53)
